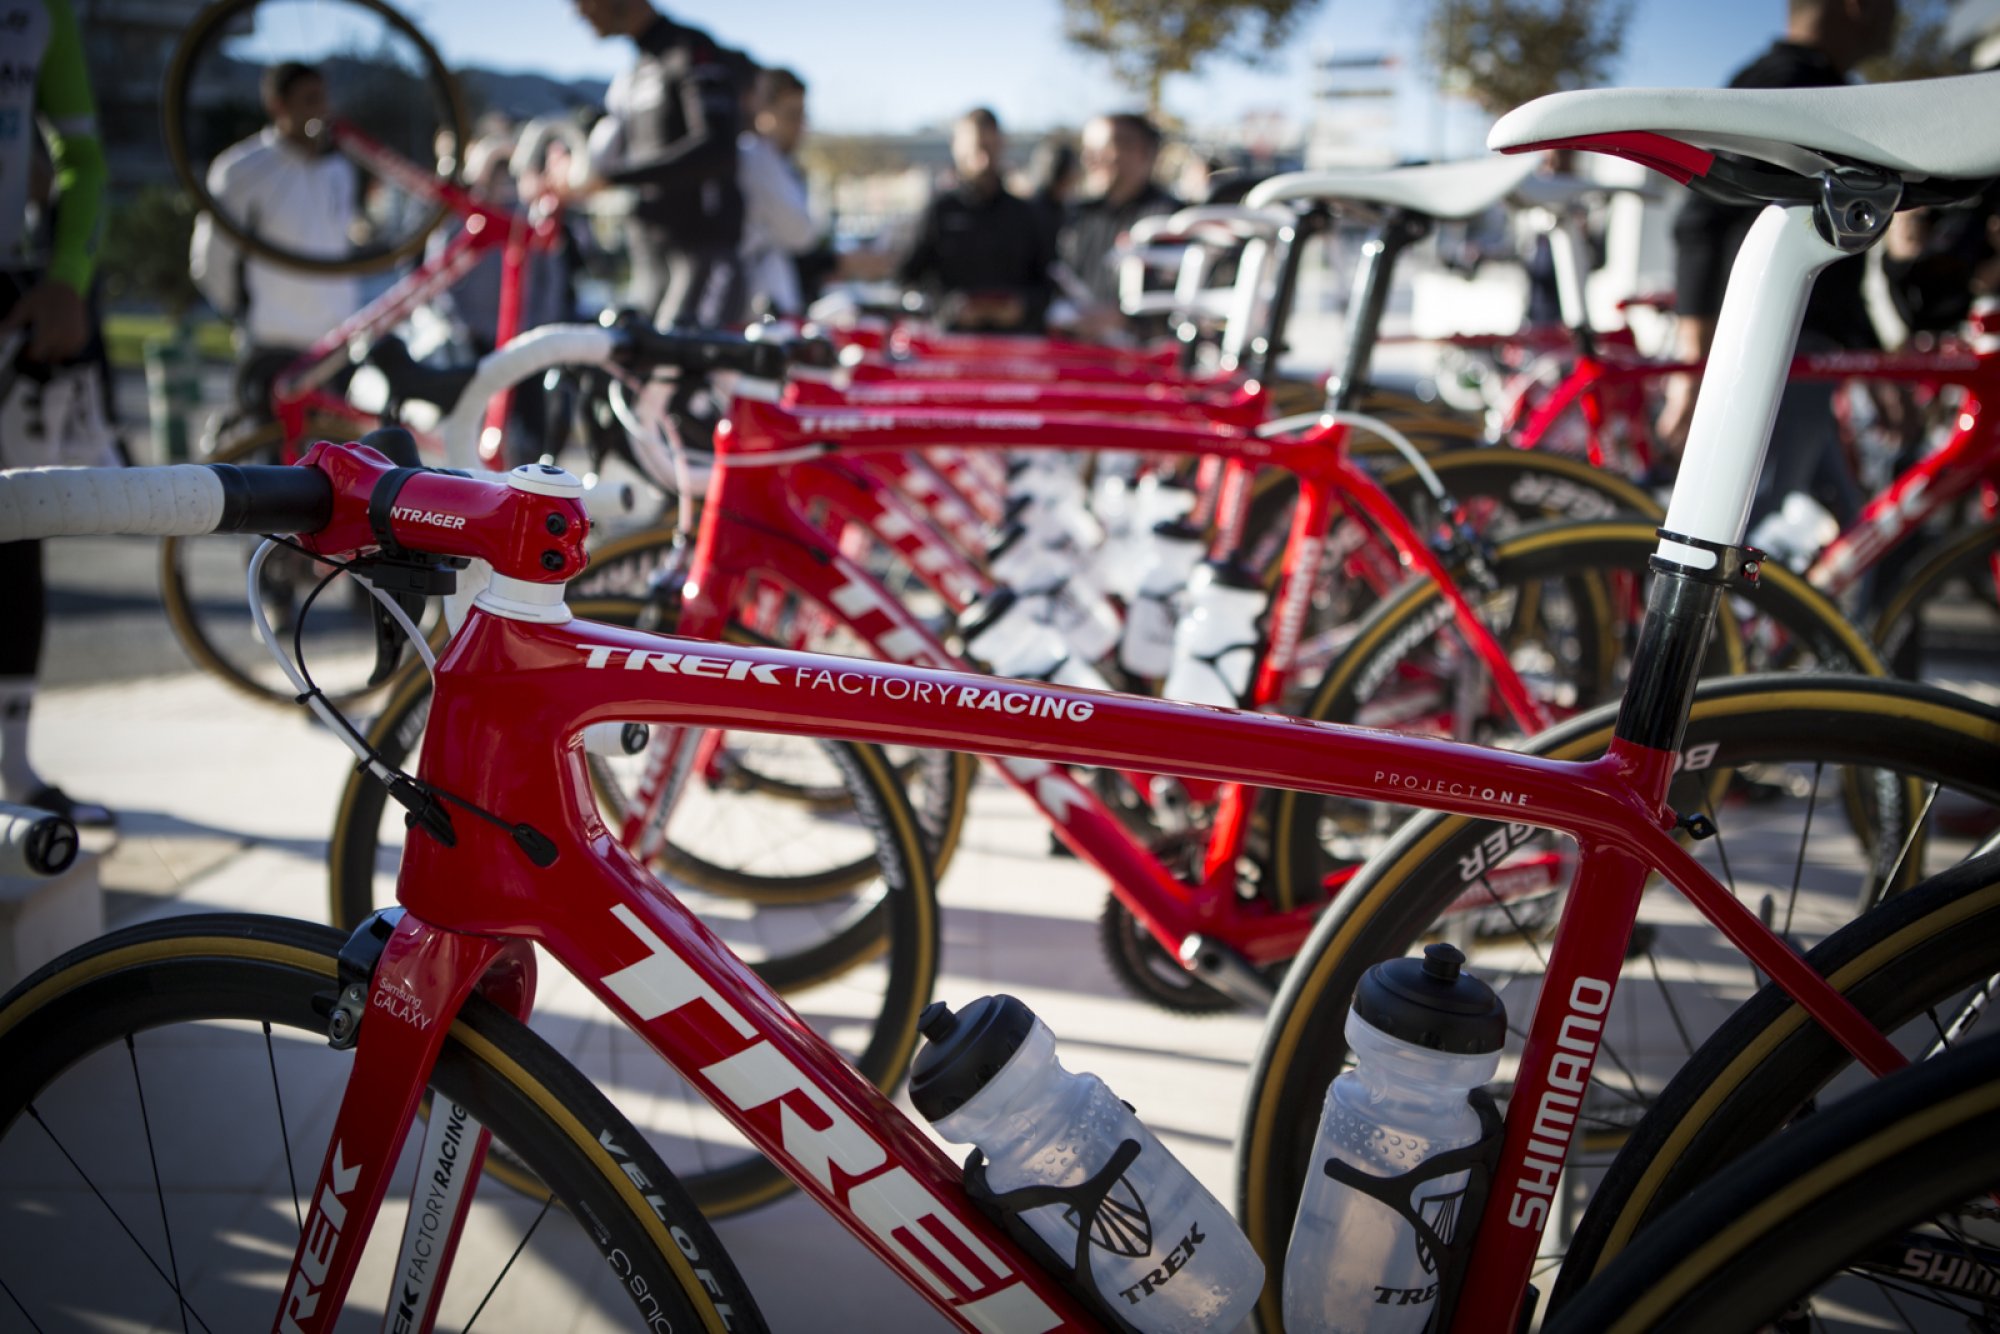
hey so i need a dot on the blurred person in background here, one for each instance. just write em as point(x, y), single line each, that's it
point(1824, 40)
point(669, 134)
point(519, 171)
point(1054, 175)
point(978, 248)
point(51, 411)
point(1120, 153)
point(289, 184)
point(778, 226)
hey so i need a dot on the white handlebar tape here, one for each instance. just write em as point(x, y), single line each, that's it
point(181, 500)
point(34, 842)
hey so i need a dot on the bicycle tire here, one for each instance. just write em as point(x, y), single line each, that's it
point(1756, 1071)
point(1748, 1247)
point(267, 971)
point(1404, 623)
point(353, 855)
point(1898, 630)
point(897, 926)
point(178, 97)
point(1417, 876)
point(182, 606)
point(616, 588)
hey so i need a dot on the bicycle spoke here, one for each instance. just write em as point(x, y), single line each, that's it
point(32, 1324)
point(1910, 839)
point(529, 1234)
point(35, 1115)
point(1799, 862)
point(1721, 848)
point(1637, 1097)
point(159, 1194)
point(1889, 1295)
point(284, 1135)
point(1667, 995)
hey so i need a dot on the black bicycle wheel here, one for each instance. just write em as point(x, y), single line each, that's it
point(383, 80)
point(203, 586)
point(1762, 759)
point(170, 1086)
point(1941, 620)
point(1876, 1214)
point(1921, 970)
point(618, 588)
point(858, 966)
point(1561, 600)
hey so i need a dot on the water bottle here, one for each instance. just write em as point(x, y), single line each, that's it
point(1424, 1034)
point(1147, 646)
point(1796, 532)
point(1216, 642)
point(1006, 633)
point(1120, 562)
point(1164, 1253)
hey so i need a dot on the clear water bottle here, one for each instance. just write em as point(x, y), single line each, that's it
point(1424, 1034)
point(1146, 648)
point(1216, 641)
point(1006, 634)
point(1163, 1251)
point(1796, 531)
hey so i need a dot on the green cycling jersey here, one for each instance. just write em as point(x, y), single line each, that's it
point(44, 84)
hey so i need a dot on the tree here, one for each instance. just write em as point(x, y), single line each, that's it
point(1148, 40)
point(1501, 53)
point(1921, 50)
point(144, 254)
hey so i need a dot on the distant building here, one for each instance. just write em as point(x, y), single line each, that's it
point(128, 44)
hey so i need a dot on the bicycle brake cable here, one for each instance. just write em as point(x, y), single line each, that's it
point(421, 799)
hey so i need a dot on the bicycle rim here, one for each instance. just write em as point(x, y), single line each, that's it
point(1496, 889)
point(382, 77)
point(171, 1086)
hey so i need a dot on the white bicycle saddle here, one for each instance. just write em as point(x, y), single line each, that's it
point(1447, 190)
point(1922, 128)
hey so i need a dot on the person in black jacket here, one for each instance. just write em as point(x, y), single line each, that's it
point(1119, 156)
point(669, 134)
point(1824, 39)
point(981, 250)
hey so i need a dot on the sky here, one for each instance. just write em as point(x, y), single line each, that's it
point(875, 65)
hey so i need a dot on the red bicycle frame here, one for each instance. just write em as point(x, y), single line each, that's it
point(762, 526)
point(1600, 385)
point(512, 697)
point(298, 393)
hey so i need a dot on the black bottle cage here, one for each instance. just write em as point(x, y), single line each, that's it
point(1448, 1256)
point(1083, 1202)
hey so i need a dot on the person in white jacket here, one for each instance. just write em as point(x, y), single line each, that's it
point(777, 223)
point(286, 184)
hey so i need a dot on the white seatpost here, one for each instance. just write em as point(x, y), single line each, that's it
point(1747, 368)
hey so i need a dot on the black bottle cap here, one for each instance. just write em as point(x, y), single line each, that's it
point(1231, 575)
point(1178, 531)
point(980, 616)
point(1003, 541)
point(964, 1051)
point(1430, 1002)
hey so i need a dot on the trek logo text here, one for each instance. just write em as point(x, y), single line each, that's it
point(786, 1111)
point(679, 664)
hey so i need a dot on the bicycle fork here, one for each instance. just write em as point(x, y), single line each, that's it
point(415, 977)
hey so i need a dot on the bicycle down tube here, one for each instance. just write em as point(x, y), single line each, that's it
point(564, 884)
